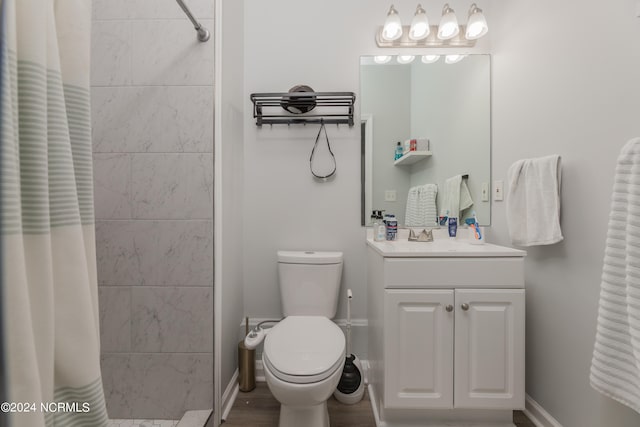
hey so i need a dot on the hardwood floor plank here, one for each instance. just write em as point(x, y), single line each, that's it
point(259, 408)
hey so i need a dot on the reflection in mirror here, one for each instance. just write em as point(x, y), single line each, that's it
point(447, 109)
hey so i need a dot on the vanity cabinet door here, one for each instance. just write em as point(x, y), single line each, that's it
point(418, 342)
point(489, 342)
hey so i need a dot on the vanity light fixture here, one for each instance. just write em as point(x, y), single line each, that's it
point(452, 59)
point(419, 25)
point(448, 27)
point(448, 33)
point(392, 29)
point(430, 59)
point(405, 59)
point(381, 59)
point(476, 24)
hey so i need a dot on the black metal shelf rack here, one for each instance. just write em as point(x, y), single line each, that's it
point(330, 107)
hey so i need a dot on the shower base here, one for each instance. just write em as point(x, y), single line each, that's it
point(142, 423)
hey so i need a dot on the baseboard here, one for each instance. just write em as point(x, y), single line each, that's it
point(229, 395)
point(374, 407)
point(538, 415)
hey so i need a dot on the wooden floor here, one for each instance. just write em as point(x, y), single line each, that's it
point(259, 408)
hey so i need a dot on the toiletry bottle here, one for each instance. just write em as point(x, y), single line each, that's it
point(475, 228)
point(375, 223)
point(392, 228)
point(398, 151)
point(379, 229)
point(453, 227)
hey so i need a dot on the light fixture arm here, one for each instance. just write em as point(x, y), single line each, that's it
point(474, 9)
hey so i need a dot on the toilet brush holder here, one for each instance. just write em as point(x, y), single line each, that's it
point(350, 389)
point(246, 365)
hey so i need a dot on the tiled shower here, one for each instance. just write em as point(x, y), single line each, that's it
point(152, 108)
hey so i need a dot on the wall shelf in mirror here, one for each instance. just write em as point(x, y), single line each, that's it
point(412, 157)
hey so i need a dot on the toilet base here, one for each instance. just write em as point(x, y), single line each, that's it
point(307, 416)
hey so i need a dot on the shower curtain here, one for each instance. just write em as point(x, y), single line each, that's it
point(49, 289)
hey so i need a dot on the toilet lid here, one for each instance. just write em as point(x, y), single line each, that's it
point(304, 349)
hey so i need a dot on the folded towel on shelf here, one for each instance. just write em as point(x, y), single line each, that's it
point(456, 197)
point(421, 206)
point(533, 201)
point(615, 367)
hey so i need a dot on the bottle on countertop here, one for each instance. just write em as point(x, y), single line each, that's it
point(453, 227)
point(379, 228)
point(391, 227)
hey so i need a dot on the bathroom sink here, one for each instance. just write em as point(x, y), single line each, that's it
point(442, 246)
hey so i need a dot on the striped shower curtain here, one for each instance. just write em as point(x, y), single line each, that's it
point(48, 266)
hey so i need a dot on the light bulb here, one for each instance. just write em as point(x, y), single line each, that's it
point(419, 25)
point(477, 24)
point(381, 59)
point(392, 29)
point(452, 59)
point(448, 27)
point(430, 59)
point(405, 59)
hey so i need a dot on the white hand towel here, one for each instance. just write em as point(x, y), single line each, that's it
point(533, 201)
point(615, 367)
point(421, 206)
point(427, 204)
point(456, 197)
point(411, 215)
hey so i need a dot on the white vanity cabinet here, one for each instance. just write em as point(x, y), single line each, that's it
point(446, 332)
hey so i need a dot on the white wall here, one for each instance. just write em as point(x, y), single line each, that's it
point(289, 42)
point(450, 105)
point(565, 78)
point(557, 88)
point(385, 96)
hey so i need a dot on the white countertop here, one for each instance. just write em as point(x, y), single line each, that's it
point(442, 246)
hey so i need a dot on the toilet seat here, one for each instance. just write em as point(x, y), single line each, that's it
point(304, 349)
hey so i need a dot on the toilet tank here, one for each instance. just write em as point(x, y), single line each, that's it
point(309, 282)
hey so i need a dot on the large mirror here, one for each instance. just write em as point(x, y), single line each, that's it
point(446, 104)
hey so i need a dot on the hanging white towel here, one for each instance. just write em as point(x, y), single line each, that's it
point(456, 197)
point(615, 367)
point(533, 201)
point(421, 206)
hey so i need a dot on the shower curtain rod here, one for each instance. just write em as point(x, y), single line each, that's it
point(203, 33)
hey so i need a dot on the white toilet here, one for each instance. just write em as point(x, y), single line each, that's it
point(304, 354)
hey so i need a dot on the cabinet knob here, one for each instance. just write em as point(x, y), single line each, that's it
point(464, 306)
point(449, 308)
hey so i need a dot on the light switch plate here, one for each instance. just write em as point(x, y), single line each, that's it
point(498, 191)
point(390, 195)
point(485, 191)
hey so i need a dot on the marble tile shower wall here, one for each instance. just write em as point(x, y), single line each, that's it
point(152, 106)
